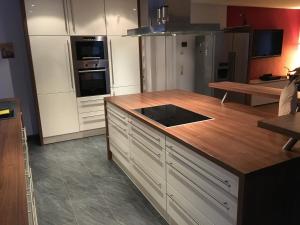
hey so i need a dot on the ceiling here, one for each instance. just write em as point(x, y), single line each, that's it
point(289, 4)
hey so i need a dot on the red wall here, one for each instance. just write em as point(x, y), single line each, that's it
point(267, 18)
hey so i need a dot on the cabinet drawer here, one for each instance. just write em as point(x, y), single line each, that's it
point(181, 212)
point(218, 210)
point(123, 125)
point(90, 104)
point(118, 136)
point(120, 153)
point(92, 120)
point(151, 136)
point(117, 114)
point(154, 185)
point(150, 158)
point(208, 169)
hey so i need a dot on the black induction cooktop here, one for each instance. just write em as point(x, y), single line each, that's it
point(171, 115)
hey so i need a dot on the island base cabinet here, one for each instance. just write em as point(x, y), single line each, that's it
point(181, 212)
point(151, 183)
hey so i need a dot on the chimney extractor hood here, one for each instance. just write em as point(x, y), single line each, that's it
point(168, 17)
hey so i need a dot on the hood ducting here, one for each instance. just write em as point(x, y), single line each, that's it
point(168, 17)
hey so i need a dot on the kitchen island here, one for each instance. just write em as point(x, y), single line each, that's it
point(221, 171)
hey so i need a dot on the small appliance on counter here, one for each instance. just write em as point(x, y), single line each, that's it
point(268, 77)
point(7, 110)
point(91, 66)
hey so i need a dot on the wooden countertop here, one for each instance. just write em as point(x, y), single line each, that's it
point(263, 91)
point(13, 203)
point(231, 140)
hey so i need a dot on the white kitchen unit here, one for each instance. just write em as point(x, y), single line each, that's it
point(120, 16)
point(87, 17)
point(257, 100)
point(125, 90)
point(53, 70)
point(186, 188)
point(46, 17)
point(64, 17)
point(91, 112)
point(58, 113)
point(124, 63)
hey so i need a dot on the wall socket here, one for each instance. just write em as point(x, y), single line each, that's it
point(7, 50)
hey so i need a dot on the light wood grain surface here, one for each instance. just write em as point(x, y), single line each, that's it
point(232, 139)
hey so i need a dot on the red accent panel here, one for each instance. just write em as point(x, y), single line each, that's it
point(269, 18)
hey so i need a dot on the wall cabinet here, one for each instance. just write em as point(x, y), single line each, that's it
point(124, 61)
point(47, 17)
point(64, 17)
point(58, 114)
point(87, 17)
point(52, 64)
point(120, 16)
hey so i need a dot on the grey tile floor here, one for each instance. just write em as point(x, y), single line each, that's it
point(76, 185)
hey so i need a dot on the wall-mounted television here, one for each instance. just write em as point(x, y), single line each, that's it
point(267, 43)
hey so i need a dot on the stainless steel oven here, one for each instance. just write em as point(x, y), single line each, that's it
point(91, 65)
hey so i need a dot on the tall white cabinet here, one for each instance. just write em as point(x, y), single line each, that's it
point(124, 65)
point(50, 24)
point(87, 17)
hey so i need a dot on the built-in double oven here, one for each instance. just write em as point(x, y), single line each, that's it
point(91, 66)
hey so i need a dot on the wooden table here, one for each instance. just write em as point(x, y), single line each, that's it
point(268, 92)
point(288, 125)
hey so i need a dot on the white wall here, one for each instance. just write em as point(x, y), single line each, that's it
point(14, 73)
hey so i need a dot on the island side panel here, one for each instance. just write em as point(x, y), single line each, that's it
point(109, 153)
point(272, 196)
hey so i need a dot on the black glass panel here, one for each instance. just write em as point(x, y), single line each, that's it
point(171, 115)
point(90, 49)
point(92, 83)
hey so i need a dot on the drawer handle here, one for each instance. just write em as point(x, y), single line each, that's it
point(117, 114)
point(223, 204)
point(140, 168)
point(125, 154)
point(155, 138)
point(140, 144)
point(117, 127)
point(86, 117)
point(92, 100)
point(172, 197)
point(225, 182)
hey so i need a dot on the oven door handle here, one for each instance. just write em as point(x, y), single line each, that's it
point(91, 57)
point(91, 71)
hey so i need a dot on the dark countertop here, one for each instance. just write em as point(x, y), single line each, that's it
point(13, 203)
point(231, 140)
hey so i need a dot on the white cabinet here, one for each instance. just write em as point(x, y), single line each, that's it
point(46, 17)
point(124, 61)
point(52, 64)
point(58, 114)
point(87, 17)
point(120, 16)
point(125, 90)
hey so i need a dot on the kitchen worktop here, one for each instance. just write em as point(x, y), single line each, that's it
point(232, 139)
point(13, 207)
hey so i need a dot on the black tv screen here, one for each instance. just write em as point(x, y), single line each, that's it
point(267, 43)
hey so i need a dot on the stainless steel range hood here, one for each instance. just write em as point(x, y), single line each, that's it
point(168, 17)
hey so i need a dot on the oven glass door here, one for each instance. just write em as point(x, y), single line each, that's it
point(90, 50)
point(93, 82)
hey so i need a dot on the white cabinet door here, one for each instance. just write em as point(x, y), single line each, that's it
point(58, 114)
point(52, 64)
point(46, 17)
point(120, 16)
point(126, 90)
point(87, 17)
point(124, 61)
